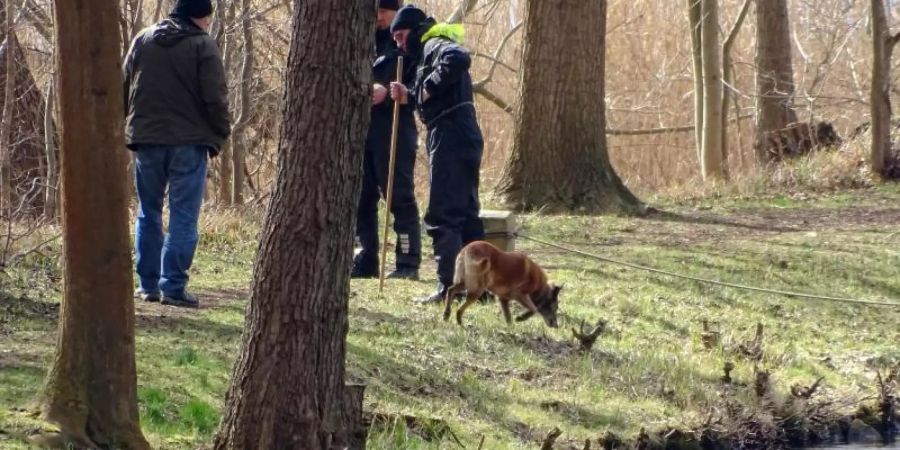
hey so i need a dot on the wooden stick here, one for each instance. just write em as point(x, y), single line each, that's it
point(390, 183)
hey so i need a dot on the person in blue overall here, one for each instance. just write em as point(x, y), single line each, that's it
point(376, 160)
point(443, 96)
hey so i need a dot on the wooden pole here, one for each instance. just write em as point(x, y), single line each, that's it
point(390, 183)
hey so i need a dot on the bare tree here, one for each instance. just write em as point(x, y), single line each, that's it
point(882, 48)
point(91, 391)
point(239, 138)
point(774, 75)
point(711, 54)
point(695, 16)
point(50, 204)
point(22, 157)
point(728, 81)
point(559, 157)
point(6, 119)
point(712, 72)
point(297, 320)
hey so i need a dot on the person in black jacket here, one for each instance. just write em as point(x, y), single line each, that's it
point(176, 102)
point(443, 97)
point(377, 158)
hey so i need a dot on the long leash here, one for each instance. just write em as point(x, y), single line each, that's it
point(706, 280)
point(390, 183)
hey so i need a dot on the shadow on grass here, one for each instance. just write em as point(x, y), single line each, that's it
point(710, 219)
point(413, 385)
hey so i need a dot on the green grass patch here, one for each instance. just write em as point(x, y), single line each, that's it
point(511, 384)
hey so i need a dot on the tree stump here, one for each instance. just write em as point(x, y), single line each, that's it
point(500, 228)
point(355, 431)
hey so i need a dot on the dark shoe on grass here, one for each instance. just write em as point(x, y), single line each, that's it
point(146, 296)
point(404, 273)
point(185, 300)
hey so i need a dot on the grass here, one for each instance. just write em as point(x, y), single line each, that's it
point(512, 384)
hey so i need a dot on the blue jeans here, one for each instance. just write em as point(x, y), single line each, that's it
point(162, 264)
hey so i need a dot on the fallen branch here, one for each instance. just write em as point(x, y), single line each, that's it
point(806, 392)
point(663, 130)
point(587, 338)
point(551, 438)
point(429, 429)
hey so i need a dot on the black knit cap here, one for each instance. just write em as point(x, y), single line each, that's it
point(393, 5)
point(408, 17)
point(193, 9)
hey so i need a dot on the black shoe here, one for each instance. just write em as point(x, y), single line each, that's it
point(364, 269)
point(184, 300)
point(436, 297)
point(405, 273)
point(146, 296)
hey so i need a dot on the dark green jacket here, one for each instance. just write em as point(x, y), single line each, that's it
point(175, 88)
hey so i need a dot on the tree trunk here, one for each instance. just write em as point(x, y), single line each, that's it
point(51, 151)
point(287, 387)
point(728, 82)
point(91, 390)
point(712, 167)
point(774, 76)
point(559, 157)
point(22, 158)
point(239, 140)
point(882, 47)
point(225, 155)
point(694, 18)
point(225, 171)
point(7, 58)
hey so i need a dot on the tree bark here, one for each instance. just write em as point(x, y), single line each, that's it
point(711, 166)
point(728, 82)
point(91, 390)
point(22, 157)
point(880, 99)
point(6, 113)
point(774, 75)
point(559, 158)
point(694, 18)
point(52, 195)
point(287, 388)
point(239, 139)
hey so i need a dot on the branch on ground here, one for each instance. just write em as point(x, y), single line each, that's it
point(587, 337)
point(551, 438)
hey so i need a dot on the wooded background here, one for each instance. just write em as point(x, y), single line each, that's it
point(649, 93)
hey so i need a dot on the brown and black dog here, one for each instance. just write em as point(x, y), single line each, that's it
point(480, 267)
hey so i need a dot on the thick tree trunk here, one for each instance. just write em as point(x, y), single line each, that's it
point(559, 158)
point(712, 140)
point(694, 18)
point(880, 99)
point(774, 76)
point(91, 391)
point(287, 388)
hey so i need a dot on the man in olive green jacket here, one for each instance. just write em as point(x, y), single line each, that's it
point(176, 101)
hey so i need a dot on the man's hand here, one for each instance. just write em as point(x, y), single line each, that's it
point(379, 94)
point(399, 93)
